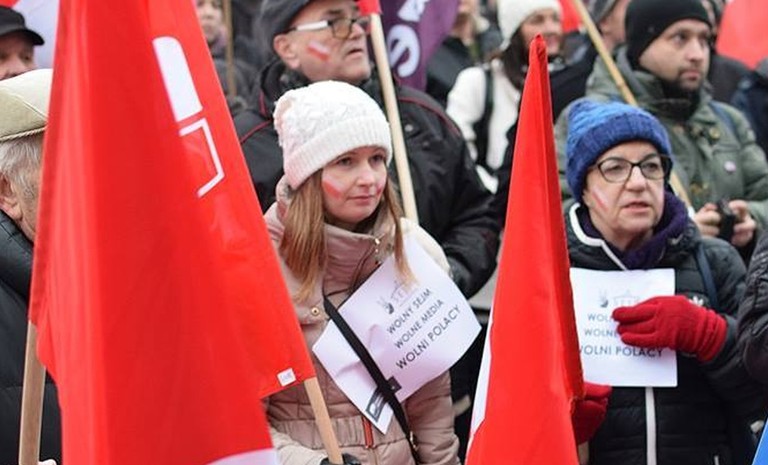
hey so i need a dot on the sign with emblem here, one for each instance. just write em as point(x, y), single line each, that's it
point(604, 358)
point(414, 331)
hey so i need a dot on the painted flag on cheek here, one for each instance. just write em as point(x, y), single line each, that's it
point(161, 309)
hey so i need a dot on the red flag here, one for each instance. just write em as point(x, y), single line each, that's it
point(570, 19)
point(369, 7)
point(741, 33)
point(531, 370)
point(160, 305)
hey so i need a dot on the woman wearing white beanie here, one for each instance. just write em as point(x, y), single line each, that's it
point(335, 221)
point(484, 100)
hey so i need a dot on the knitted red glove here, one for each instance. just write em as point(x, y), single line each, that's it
point(589, 412)
point(673, 322)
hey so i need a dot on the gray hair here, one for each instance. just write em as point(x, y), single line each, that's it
point(20, 159)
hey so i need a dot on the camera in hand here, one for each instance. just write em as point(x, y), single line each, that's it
point(727, 220)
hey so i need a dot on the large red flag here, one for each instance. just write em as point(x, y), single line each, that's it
point(531, 371)
point(160, 305)
point(741, 34)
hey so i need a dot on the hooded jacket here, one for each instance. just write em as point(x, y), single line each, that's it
point(352, 257)
point(693, 423)
point(452, 203)
point(15, 276)
point(716, 156)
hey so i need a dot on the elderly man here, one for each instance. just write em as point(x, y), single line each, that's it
point(665, 64)
point(17, 44)
point(24, 100)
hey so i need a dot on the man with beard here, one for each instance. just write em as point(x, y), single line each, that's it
point(665, 62)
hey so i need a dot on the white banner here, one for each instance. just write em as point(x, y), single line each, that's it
point(414, 332)
point(604, 358)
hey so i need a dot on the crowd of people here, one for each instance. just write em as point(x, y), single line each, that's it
point(307, 105)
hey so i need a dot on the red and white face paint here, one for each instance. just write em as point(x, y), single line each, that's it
point(353, 185)
point(626, 212)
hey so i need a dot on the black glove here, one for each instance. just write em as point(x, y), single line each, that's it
point(349, 459)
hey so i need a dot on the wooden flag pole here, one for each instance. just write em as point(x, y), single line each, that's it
point(393, 115)
point(618, 79)
point(323, 421)
point(31, 402)
point(229, 50)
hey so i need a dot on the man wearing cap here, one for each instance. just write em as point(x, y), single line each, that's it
point(665, 63)
point(17, 44)
point(318, 40)
point(24, 100)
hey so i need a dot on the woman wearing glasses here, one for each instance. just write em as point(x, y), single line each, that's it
point(625, 218)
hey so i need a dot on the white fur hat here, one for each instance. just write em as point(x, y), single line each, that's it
point(512, 13)
point(317, 123)
point(24, 102)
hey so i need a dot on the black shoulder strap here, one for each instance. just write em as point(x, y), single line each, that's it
point(383, 386)
point(706, 276)
point(481, 126)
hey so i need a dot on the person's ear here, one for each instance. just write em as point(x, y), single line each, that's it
point(9, 200)
point(286, 50)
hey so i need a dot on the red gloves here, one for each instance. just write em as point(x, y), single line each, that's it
point(673, 322)
point(589, 412)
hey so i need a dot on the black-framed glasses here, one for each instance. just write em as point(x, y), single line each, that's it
point(653, 166)
point(341, 28)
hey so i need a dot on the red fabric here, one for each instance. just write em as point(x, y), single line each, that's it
point(368, 7)
point(589, 412)
point(531, 370)
point(674, 322)
point(161, 308)
point(8, 2)
point(571, 20)
point(741, 33)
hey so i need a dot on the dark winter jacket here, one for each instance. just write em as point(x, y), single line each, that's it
point(690, 423)
point(751, 97)
point(15, 275)
point(453, 205)
point(453, 56)
point(753, 314)
point(724, 76)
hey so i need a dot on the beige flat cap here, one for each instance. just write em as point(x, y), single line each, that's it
point(24, 104)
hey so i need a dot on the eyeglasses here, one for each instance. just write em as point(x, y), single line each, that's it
point(341, 28)
point(653, 166)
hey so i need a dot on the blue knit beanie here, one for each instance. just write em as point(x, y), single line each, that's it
point(594, 128)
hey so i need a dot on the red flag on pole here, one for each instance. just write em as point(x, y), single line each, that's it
point(531, 370)
point(741, 33)
point(160, 305)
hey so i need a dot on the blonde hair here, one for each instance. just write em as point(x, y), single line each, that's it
point(303, 246)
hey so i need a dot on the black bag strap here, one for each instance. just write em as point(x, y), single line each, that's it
point(382, 385)
point(706, 276)
point(481, 126)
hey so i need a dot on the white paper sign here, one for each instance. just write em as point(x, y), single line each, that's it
point(414, 332)
point(604, 358)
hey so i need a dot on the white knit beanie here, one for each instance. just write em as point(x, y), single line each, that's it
point(512, 13)
point(317, 123)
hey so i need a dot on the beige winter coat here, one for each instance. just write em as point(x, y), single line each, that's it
point(352, 258)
